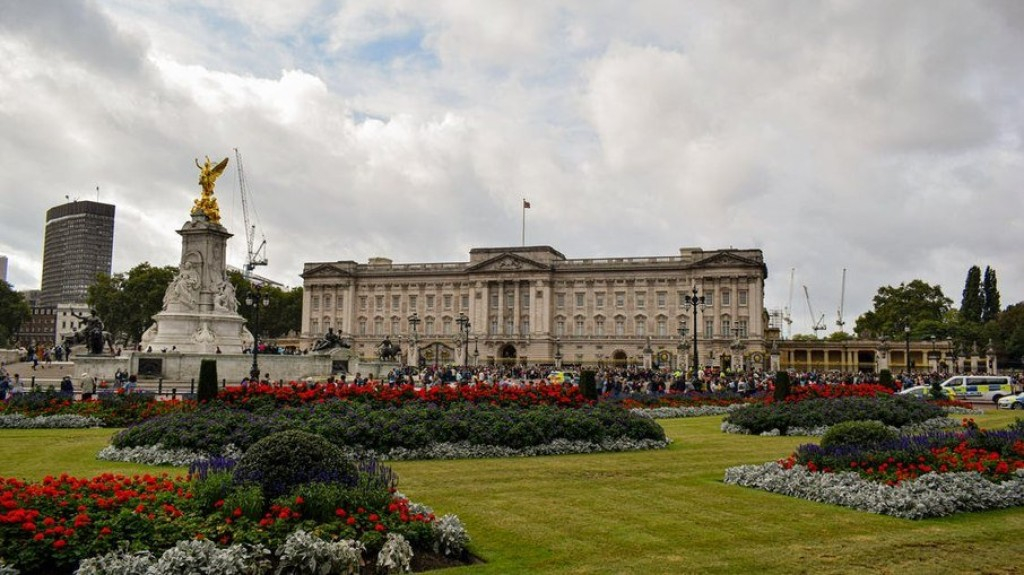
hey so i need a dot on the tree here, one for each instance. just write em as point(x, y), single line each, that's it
point(971, 303)
point(1007, 332)
point(990, 296)
point(14, 311)
point(281, 316)
point(912, 304)
point(127, 302)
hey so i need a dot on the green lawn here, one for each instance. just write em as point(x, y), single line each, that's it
point(661, 511)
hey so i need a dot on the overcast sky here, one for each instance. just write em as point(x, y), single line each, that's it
point(881, 137)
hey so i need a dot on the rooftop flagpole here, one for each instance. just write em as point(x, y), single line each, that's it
point(526, 206)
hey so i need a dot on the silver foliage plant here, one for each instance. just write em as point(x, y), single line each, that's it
point(450, 536)
point(6, 569)
point(931, 495)
point(185, 558)
point(395, 556)
point(304, 553)
point(685, 411)
point(66, 421)
point(159, 455)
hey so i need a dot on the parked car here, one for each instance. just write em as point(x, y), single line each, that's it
point(926, 391)
point(1011, 402)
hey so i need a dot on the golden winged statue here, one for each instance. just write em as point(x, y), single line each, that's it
point(207, 203)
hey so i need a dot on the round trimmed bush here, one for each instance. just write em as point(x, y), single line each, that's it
point(857, 433)
point(283, 460)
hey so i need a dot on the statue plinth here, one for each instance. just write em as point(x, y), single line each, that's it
point(200, 313)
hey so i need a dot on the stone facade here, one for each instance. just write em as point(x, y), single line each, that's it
point(533, 305)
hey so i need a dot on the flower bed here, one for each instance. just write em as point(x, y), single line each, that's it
point(894, 410)
point(823, 391)
point(50, 526)
point(19, 421)
point(112, 409)
point(294, 394)
point(690, 399)
point(917, 476)
point(413, 426)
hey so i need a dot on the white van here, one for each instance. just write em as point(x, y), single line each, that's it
point(980, 387)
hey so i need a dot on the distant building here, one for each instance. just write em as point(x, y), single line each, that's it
point(3, 268)
point(78, 245)
point(533, 305)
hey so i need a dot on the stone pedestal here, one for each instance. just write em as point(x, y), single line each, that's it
point(200, 309)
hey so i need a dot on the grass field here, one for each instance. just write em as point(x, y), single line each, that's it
point(661, 511)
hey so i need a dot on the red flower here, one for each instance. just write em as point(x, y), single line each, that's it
point(59, 544)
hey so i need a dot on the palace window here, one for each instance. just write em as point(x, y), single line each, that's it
point(620, 326)
point(662, 327)
point(560, 327)
point(327, 301)
point(465, 301)
point(726, 326)
point(599, 300)
point(509, 327)
point(396, 302)
point(315, 303)
point(362, 303)
point(395, 325)
point(726, 298)
point(579, 326)
point(362, 326)
point(429, 323)
point(526, 299)
point(379, 302)
point(709, 328)
point(641, 300)
point(742, 325)
point(599, 326)
point(741, 295)
point(447, 302)
point(579, 299)
point(560, 300)
point(662, 299)
point(641, 326)
point(620, 299)
point(430, 301)
point(412, 302)
point(314, 327)
point(378, 326)
point(494, 326)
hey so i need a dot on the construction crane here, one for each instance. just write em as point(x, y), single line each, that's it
point(786, 314)
point(253, 257)
point(842, 299)
point(816, 325)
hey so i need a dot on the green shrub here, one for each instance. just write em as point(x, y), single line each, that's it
point(207, 380)
point(211, 489)
point(588, 384)
point(936, 392)
point(781, 386)
point(885, 378)
point(894, 410)
point(858, 433)
point(283, 460)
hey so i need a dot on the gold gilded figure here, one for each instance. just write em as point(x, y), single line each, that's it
point(207, 203)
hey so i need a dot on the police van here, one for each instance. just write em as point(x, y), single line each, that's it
point(979, 387)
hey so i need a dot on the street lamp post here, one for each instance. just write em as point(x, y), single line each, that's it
point(934, 354)
point(695, 302)
point(256, 299)
point(906, 334)
point(476, 350)
point(463, 322)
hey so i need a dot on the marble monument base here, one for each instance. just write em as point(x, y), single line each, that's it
point(202, 333)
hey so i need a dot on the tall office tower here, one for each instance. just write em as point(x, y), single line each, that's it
point(79, 244)
point(3, 268)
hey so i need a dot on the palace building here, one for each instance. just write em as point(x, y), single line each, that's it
point(533, 305)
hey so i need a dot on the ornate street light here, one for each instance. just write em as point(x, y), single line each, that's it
point(694, 302)
point(906, 334)
point(463, 322)
point(256, 299)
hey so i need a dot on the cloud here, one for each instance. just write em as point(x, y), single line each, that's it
point(882, 138)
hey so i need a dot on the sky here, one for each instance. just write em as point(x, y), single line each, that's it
point(879, 137)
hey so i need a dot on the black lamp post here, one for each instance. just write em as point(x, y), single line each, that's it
point(906, 334)
point(934, 353)
point(463, 322)
point(476, 350)
point(953, 356)
point(695, 302)
point(256, 299)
